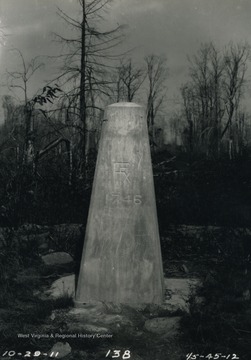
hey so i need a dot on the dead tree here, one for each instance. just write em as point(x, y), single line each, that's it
point(156, 77)
point(235, 61)
point(129, 80)
point(85, 64)
point(19, 80)
point(212, 98)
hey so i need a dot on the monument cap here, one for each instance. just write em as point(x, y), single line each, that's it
point(125, 104)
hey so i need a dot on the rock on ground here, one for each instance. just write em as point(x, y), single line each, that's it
point(96, 316)
point(167, 326)
point(61, 287)
point(57, 258)
point(178, 292)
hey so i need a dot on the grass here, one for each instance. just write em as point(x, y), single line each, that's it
point(63, 302)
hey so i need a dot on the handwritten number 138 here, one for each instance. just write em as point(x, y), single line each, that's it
point(116, 354)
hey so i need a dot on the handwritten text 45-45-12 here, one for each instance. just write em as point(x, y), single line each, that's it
point(210, 356)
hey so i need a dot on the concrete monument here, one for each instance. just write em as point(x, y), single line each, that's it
point(121, 260)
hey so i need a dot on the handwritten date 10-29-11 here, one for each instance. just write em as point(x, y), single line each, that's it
point(29, 354)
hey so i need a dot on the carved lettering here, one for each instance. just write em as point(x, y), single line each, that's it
point(122, 169)
point(137, 199)
point(118, 199)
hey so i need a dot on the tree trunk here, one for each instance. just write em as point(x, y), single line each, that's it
point(83, 93)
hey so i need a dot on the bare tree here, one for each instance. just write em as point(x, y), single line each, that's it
point(212, 97)
point(18, 81)
point(235, 62)
point(156, 76)
point(202, 95)
point(189, 111)
point(85, 64)
point(11, 139)
point(129, 80)
point(217, 101)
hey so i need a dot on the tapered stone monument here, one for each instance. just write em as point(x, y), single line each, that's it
point(121, 260)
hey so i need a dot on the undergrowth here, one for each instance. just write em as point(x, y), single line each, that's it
point(21, 310)
point(220, 311)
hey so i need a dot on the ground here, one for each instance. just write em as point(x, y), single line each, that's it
point(37, 312)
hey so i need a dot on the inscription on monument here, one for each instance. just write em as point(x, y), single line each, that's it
point(119, 199)
point(122, 171)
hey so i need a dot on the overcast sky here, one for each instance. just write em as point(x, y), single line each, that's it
point(175, 28)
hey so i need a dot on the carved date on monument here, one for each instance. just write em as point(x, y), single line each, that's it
point(118, 199)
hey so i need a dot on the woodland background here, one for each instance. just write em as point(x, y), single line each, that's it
point(49, 142)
